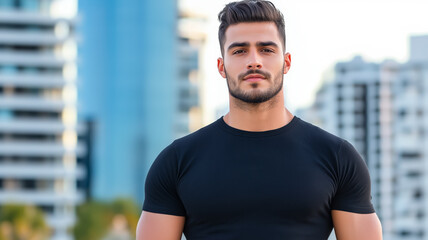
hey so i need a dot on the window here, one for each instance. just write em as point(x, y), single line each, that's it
point(418, 193)
point(410, 155)
point(29, 5)
point(402, 113)
point(28, 184)
point(6, 114)
point(8, 69)
point(7, 4)
point(413, 174)
point(47, 208)
point(405, 233)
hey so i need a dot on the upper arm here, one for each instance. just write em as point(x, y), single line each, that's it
point(163, 212)
point(161, 194)
point(355, 226)
point(353, 192)
point(155, 226)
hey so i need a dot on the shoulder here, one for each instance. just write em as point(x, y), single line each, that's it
point(344, 154)
point(174, 158)
point(318, 138)
point(201, 136)
point(324, 142)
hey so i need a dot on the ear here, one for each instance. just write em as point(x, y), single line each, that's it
point(220, 67)
point(287, 62)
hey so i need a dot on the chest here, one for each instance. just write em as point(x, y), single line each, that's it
point(252, 184)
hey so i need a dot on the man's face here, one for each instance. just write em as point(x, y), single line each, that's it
point(254, 61)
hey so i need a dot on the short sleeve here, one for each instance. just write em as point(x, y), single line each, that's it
point(353, 193)
point(161, 185)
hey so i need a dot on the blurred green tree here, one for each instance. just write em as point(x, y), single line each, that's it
point(101, 220)
point(22, 222)
point(129, 210)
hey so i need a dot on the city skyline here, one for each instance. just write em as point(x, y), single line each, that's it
point(319, 34)
point(143, 76)
point(379, 108)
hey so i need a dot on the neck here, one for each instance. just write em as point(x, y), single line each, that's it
point(265, 116)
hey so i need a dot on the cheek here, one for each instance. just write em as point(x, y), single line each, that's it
point(276, 62)
point(232, 68)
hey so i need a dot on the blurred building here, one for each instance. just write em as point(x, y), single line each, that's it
point(382, 110)
point(38, 122)
point(139, 89)
point(192, 43)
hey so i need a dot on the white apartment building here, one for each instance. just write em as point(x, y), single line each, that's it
point(192, 43)
point(382, 109)
point(38, 122)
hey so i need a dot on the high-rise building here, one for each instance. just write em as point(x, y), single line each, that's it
point(188, 115)
point(39, 146)
point(137, 89)
point(382, 109)
point(192, 43)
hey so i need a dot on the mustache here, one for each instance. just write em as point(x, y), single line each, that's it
point(254, 71)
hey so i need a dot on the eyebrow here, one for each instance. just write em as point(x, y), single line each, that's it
point(265, 44)
point(246, 44)
point(238, 44)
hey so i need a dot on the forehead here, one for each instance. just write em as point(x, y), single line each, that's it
point(252, 32)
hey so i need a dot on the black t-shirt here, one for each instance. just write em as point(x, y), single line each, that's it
point(278, 184)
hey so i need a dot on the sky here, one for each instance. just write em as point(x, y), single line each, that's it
point(320, 34)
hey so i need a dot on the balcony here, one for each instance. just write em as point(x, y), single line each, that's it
point(40, 197)
point(36, 126)
point(31, 103)
point(39, 171)
point(20, 17)
point(33, 80)
point(30, 59)
point(30, 38)
point(38, 149)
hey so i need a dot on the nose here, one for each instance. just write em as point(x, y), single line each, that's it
point(254, 62)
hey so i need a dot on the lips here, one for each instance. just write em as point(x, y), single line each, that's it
point(254, 78)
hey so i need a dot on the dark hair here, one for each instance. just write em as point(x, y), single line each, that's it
point(249, 11)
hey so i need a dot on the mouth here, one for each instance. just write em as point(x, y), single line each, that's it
point(254, 78)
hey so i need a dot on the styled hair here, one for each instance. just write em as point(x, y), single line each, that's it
point(249, 11)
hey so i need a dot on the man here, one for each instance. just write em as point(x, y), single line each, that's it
point(258, 172)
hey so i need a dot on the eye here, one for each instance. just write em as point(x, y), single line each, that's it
point(267, 50)
point(239, 51)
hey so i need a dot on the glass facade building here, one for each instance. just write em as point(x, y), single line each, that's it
point(131, 89)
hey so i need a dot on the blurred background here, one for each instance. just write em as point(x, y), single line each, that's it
point(92, 90)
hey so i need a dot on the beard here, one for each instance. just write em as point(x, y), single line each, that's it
point(255, 96)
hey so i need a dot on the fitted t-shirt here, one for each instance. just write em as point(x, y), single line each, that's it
point(277, 184)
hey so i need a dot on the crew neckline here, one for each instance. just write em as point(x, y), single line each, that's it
point(223, 125)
